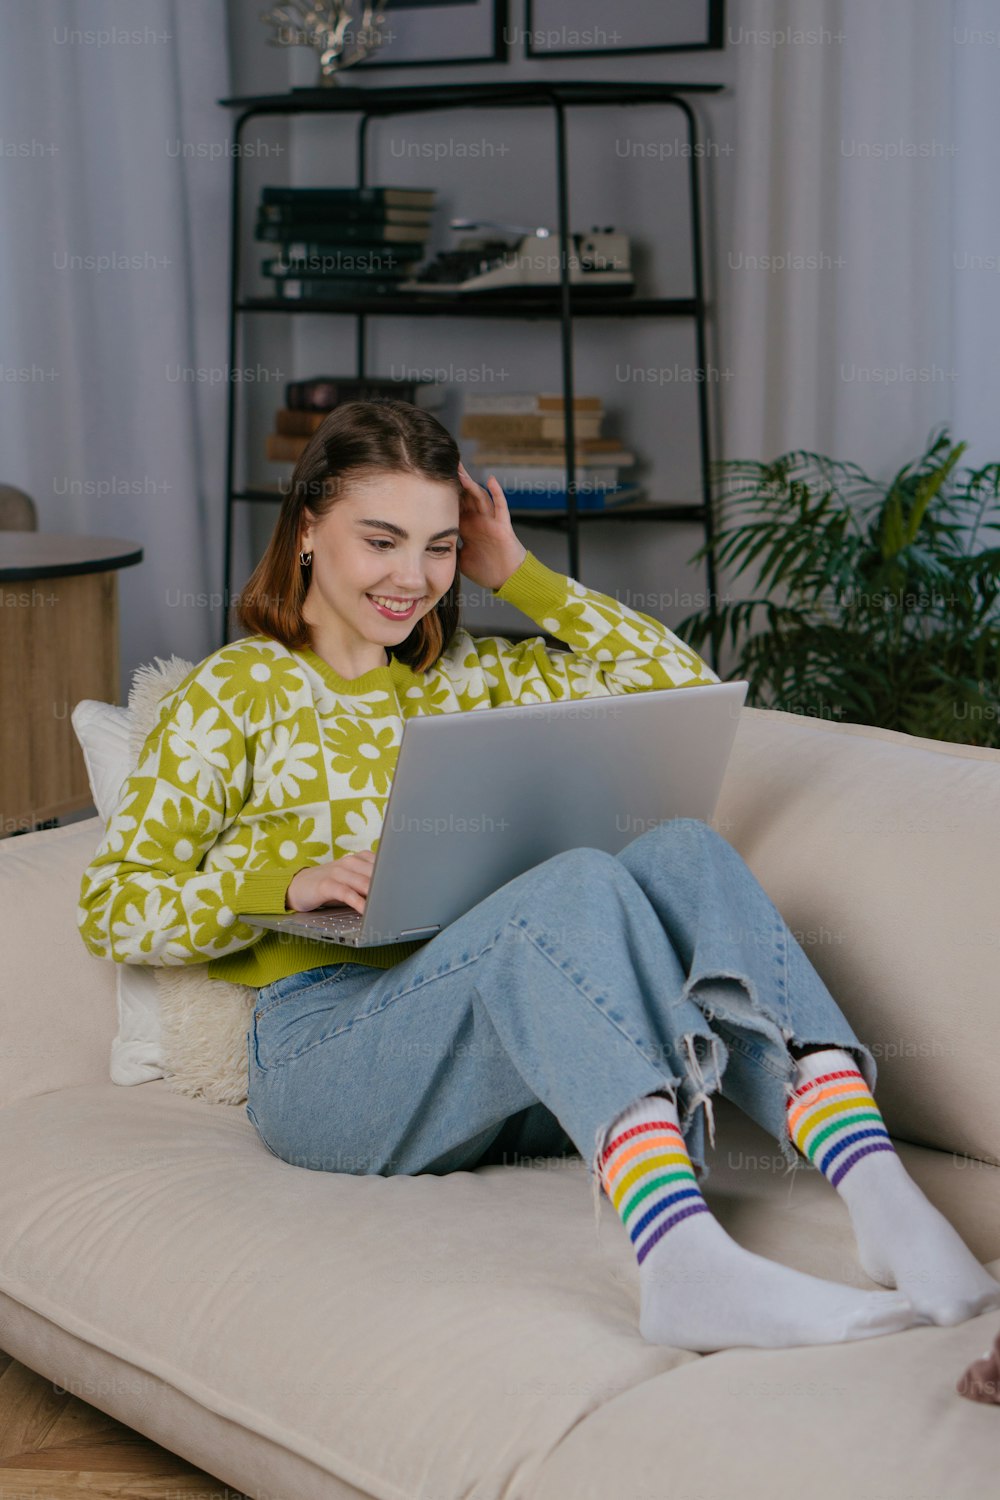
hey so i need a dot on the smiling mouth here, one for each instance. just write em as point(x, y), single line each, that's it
point(392, 606)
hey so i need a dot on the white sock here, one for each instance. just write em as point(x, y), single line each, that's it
point(903, 1240)
point(699, 1289)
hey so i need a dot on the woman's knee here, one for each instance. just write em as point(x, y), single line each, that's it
point(695, 829)
point(586, 867)
point(586, 864)
point(572, 868)
point(680, 837)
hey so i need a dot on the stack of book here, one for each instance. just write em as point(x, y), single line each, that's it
point(331, 243)
point(522, 441)
point(309, 402)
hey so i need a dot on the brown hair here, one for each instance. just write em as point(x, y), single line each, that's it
point(357, 438)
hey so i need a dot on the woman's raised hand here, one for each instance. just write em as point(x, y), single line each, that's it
point(339, 882)
point(490, 551)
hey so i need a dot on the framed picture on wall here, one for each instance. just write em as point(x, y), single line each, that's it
point(433, 33)
point(603, 28)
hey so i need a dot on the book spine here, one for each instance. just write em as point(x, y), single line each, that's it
point(321, 208)
point(297, 423)
point(524, 478)
point(358, 213)
point(335, 258)
point(397, 197)
point(526, 405)
point(336, 232)
point(334, 268)
point(558, 500)
point(555, 457)
point(580, 403)
point(284, 449)
point(313, 234)
point(290, 289)
point(584, 426)
point(552, 447)
point(499, 429)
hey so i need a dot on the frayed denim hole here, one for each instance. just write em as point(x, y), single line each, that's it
point(706, 1062)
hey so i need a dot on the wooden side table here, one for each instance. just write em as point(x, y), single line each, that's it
point(58, 644)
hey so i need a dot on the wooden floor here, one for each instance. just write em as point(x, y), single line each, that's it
point(53, 1445)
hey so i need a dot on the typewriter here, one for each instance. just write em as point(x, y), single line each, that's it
point(599, 261)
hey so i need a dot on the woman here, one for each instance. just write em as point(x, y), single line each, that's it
point(595, 1002)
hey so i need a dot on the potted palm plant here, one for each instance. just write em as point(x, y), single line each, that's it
point(888, 609)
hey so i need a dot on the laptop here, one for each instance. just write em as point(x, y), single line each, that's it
point(478, 798)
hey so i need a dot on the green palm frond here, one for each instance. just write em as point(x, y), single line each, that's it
point(869, 601)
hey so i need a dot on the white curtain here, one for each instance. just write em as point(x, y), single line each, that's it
point(860, 286)
point(113, 293)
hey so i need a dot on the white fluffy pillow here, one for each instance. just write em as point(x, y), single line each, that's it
point(137, 1050)
point(173, 1023)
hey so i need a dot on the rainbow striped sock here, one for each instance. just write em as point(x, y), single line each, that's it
point(647, 1173)
point(833, 1118)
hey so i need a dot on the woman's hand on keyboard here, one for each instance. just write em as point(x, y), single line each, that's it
point(340, 882)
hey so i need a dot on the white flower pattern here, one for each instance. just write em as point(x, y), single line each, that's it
point(198, 746)
point(122, 823)
point(150, 919)
point(364, 828)
point(282, 765)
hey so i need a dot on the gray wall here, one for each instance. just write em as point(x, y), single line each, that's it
point(627, 168)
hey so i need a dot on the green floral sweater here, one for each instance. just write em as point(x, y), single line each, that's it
point(264, 760)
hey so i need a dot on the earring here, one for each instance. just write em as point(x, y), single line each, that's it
point(305, 558)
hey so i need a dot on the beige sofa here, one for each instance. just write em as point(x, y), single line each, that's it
point(304, 1335)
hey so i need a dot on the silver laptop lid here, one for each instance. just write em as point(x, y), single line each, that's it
point(479, 797)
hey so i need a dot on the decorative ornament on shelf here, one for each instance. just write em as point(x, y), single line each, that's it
point(329, 27)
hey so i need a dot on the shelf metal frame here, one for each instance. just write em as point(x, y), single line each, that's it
point(566, 304)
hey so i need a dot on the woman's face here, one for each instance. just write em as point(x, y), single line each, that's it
point(356, 554)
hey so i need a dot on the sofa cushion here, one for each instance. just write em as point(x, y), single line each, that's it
point(58, 1000)
point(881, 852)
point(410, 1336)
point(879, 1419)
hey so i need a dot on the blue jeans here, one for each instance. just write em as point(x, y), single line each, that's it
point(523, 1028)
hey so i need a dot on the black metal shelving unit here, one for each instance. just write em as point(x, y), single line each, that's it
point(565, 304)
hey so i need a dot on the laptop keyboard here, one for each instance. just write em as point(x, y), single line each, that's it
point(341, 922)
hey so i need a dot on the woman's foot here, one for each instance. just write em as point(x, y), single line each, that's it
point(903, 1240)
point(699, 1290)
